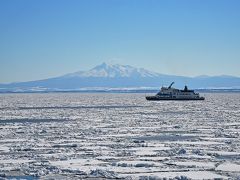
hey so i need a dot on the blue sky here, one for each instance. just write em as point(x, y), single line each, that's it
point(47, 38)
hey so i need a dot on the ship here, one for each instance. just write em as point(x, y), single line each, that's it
point(170, 93)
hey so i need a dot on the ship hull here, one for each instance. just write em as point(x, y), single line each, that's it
point(155, 98)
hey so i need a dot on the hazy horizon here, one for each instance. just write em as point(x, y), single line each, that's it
point(44, 39)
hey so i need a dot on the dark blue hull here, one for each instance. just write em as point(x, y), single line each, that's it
point(156, 98)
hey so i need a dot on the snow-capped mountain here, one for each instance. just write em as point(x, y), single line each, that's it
point(105, 76)
point(114, 71)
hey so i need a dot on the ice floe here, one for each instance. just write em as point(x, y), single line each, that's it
point(110, 136)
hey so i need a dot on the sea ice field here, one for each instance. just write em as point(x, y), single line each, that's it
point(118, 136)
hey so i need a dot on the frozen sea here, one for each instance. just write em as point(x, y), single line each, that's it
point(111, 136)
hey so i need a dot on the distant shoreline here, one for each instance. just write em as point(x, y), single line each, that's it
point(115, 91)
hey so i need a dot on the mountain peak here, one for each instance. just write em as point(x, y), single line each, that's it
point(105, 65)
point(109, 70)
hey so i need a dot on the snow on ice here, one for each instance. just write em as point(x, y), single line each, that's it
point(79, 135)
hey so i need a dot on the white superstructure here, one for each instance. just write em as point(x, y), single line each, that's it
point(169, 93)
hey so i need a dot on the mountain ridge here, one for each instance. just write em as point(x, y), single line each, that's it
point(122, 76)
point(114, 70)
